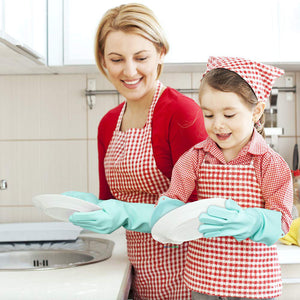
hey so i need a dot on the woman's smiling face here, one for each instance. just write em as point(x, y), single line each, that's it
point(229, 120)
point(131, 62)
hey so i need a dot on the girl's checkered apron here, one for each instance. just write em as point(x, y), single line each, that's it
point(133, 176)
point(222, 266)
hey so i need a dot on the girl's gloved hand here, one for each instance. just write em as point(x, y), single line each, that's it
point(89, 197)
point(258, 224)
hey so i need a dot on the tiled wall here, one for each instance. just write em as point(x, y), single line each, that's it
point(48, 135)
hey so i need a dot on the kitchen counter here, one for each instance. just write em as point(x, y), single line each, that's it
point(107, 280)
point(111, 279)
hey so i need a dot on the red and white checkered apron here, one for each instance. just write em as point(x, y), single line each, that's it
point(223, 266)
point(133, 176)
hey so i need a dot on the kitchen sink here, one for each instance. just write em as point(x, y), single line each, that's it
point(54, 255)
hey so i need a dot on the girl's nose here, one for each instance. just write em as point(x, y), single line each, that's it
point(218, 123)
point(129, 68)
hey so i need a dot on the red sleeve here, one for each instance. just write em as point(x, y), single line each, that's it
point(277, 186)
point(105, 131)
point(178, 125)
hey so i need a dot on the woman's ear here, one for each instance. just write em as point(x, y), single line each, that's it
point(103, 62)
point(162, 56)
point(258, 111)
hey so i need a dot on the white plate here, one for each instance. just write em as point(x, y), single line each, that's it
point(61, 207)
point(181, 224)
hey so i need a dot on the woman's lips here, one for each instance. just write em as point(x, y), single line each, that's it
point(223, 136)
point(132, 84)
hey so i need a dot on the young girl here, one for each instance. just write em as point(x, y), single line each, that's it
point(236, 257)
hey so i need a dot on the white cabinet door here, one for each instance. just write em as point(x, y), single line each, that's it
point(267, 30)
point(25, 23)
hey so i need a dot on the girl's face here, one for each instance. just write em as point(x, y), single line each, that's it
point(131, 62)
point(228, 119)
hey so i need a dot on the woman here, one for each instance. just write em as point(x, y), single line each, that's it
point(139, 142)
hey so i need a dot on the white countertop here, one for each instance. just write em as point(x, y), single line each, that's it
point(107, 280)
point(288, 254)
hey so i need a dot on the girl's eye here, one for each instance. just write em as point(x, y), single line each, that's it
point(229, 116)
point(208, 116)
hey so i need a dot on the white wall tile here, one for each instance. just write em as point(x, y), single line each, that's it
point(196, 77)
point(33, 167)
point(43, 107)
point(20, 107)
point(23, 214)
point(63, 109)
point(93, 174)
point(103, 104)
point(176, 80)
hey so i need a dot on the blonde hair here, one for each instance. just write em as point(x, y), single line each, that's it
point(130, 18)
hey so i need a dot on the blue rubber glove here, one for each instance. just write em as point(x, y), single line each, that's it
point(114, 214)
point(258, 224)
point(164, 205)
point(89, 197)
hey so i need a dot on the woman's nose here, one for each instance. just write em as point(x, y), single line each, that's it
point(129, 68)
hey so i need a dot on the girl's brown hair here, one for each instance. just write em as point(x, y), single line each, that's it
point(228, 81)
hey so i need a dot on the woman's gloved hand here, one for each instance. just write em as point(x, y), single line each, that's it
point(164, 205)
point(132, 216)
point(258, 224)
point(89, 197)
point(114, 214)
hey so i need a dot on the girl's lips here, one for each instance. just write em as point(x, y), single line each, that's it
point(223, 136)
point(132, 84)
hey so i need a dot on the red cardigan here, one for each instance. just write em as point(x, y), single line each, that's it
point(177, 125)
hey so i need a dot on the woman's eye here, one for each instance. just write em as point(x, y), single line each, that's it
point(229, 116)
point(141, 58)
point(208, 116)
point(116, 60)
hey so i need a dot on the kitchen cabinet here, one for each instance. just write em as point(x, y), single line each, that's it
point(24, 26)
point(205, 28)
point(23, 36)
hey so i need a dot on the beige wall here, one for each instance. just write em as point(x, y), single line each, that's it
point(48, 135)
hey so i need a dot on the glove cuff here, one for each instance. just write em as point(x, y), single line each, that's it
point(165, 205)
point(269, 231)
